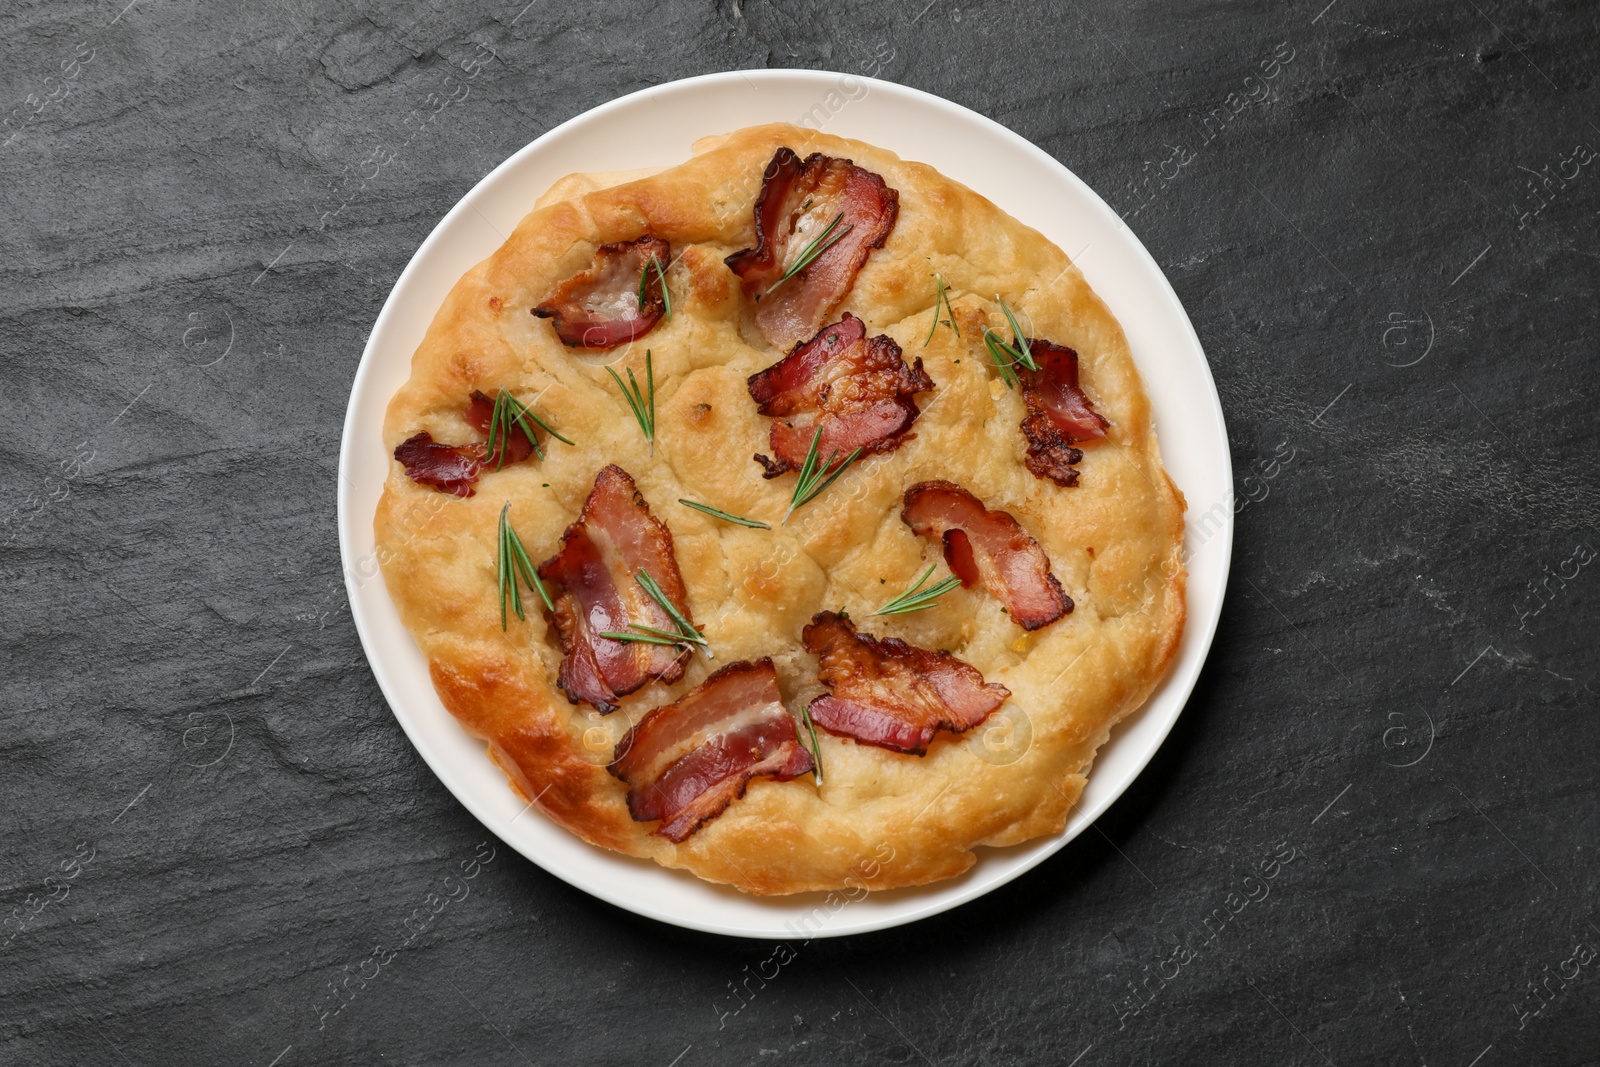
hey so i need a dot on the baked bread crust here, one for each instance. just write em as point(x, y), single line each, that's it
point(1114, 541)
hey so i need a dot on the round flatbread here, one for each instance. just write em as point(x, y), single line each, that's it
point(880, 818)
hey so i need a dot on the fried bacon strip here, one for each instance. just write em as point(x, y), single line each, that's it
point(798, 203)
point(447, 468)
point(1059, 414)
point(593, 582)
point(599, 307)
point(455, 468)
point(988, 548)
point(859, 391)
point(687, 761)
point(891, 694)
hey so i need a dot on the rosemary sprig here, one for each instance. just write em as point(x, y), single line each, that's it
point(508, 416)
point(913, 600)
point(1019, 343)
point(651, 637)
point(1002, 362)
point(512, 560)
point(1007, 356)
point(685, 636)
point(942, 296)
point(814, 478)
point(808, 255)
point(642, 402)
point(644, 278)
point(718, 513)
point(816, 749)
point(503, 575)
point(688, 632)
point(675, 637)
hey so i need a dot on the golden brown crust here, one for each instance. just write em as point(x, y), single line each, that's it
point(1114, 541)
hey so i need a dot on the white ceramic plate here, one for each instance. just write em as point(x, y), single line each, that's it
point(655, 127)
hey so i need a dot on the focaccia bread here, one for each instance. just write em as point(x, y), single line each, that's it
point(971, 722)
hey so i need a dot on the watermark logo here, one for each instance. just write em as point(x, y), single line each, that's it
point(1004, 737)
point(207, 740)
point(208, 338)
point(1402, 339)
point(1408, 739)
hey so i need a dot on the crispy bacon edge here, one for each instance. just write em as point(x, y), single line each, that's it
point(615, 278)
point(891, 694)
point(873, 412)
point(868, 206)
point(591, 598)
point(447, 468)
point(989, 548)
point(747, 734)
point(1059, 414)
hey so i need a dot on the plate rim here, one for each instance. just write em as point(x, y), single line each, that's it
point(1040, 849)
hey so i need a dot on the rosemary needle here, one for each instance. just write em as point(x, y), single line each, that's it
point(644, 278)
point(685, 636)
point(718, 513)
point(655, 638)
point(916, 598)
point(816, 749)
point(1019, 343)
point(642, 402)
point(675, 636)
point(509, 415)
point(941, 297)
point(1002, 362)
point(656, 593)
point(808, 255)
point(1007, 356)
point(508, 588)
point(814, 478)
point(511, 561)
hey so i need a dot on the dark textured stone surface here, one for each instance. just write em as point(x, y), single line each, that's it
point(184, 694)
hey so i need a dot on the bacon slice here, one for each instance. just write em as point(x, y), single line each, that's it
point(599, 307)
point(447, 468)
point(687, 761)
point(1059, 414)
point(988, 548)
point(859, 391)
point(455, 468)
point(891, 694)
point(798, 201)
point(593, 584)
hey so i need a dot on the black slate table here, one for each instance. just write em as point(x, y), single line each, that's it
point(1382, 219)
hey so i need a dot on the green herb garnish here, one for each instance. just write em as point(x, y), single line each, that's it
point(913, 600)
point(718, 513)
point(941, 296)
point(642, 402)
point(808, 255)
point(1002, 362)
point(684, 636)
point(652, 636)
point(511, 559)
point(510, 415)
point(814, 478)
point(816, 749)
point(1007, 356)
point(644, 277)
point(688, 632)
